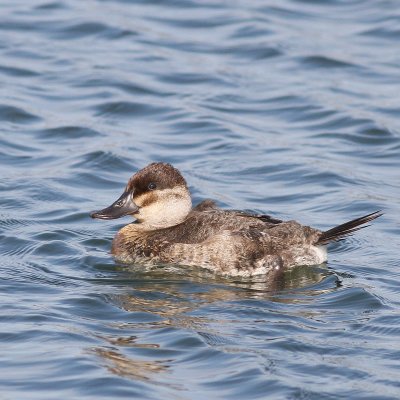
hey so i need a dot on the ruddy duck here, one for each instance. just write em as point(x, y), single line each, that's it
point(168, 230)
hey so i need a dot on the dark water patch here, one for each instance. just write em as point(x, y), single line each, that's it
point(259, 51)
point(193, 79)
point(102, 160)
point(18, 147)
point(311, 114)
point(235, 108)
point(378, 135)
point(195, 23)
point(124, 109)
point(390, 111)
point(27, 54)
point(79, 31)
point(349, 298)
point(18, 25)
point(327, 179)
point(325, 62)
point(55, 5)
point(340, 121)
point(286, 13)
point(387, 146)
point(329, 3)
point(16, 115)
point(386, 32)
point(21, 161)
point(17, 72)
point(251, 30)
point(180, 4)
point(133, 88)
point(68, 133)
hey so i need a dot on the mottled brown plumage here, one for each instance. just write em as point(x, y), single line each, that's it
point(169, 230)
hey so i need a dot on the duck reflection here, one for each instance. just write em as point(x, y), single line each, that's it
point(178, 299)
point(174, 297)
point(171, 279)
point(122, 365)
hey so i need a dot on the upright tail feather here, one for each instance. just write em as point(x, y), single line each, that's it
point(348, 228)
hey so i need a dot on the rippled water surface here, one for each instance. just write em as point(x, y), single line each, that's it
point(289, 107)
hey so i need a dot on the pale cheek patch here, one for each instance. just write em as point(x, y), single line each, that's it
point(163, 208)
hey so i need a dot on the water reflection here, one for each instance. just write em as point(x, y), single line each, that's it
point(300, 278)
point(179, 302)
point(163, 293)
point(129, 367)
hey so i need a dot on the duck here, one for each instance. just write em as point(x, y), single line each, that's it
point(167, 229)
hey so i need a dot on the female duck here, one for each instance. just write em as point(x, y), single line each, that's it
point(168, 230)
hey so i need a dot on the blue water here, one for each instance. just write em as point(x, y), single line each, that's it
point(289, 107)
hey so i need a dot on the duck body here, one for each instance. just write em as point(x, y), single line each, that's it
point(168, 230)
point(227, 242)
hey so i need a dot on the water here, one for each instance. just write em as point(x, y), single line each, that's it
point(286, 107)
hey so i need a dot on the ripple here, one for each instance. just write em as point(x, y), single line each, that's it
point(383, 33)
point(259, 51)
point(133, 88)
point(374, 135)
point(68, 133)
point(15, 246)
point(56, 249)
point(195, 23)
point(7, 222)
point(251, 30)
point(16, 71)
point(382, 326)
point(192, 79)
point(102, 160)
point(349, 298)
point(52, 5)
point(325, 62)
point(126, 109)
point(16, 115)
point(84, 29)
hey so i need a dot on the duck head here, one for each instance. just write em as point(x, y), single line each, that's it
point(157, 196)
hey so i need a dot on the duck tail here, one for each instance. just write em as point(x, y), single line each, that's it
point(348, 228)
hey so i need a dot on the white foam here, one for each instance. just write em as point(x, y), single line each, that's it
point(321, 253)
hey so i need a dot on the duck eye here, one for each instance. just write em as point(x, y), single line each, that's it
point(151, 186)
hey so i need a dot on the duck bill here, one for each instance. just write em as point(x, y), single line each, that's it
point(123, 206)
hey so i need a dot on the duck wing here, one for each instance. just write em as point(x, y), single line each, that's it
point(209, 205)
point(261, 217)
point(206, 205)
